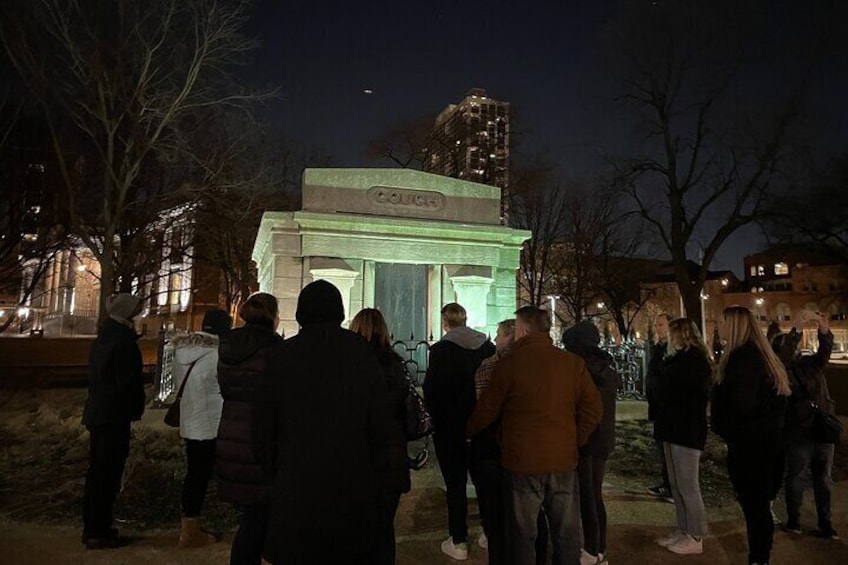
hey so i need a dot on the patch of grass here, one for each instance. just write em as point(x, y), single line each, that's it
point(635, 465)
point(45, 458)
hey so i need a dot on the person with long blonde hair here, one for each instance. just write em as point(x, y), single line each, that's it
point(748, 411)
point(681, 426)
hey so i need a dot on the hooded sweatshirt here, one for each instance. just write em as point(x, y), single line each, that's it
point(201, 404)
point(449, 384)
point(582, 339)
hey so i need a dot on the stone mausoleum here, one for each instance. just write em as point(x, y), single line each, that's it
point(403, 241)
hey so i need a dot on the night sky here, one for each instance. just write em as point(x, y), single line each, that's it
point(546, 58)
point(417, 57)
point(550, 60)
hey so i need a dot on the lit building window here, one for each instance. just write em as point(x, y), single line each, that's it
point(784, 313)
point(761, 270)
point(753, 271)
point(781, 269)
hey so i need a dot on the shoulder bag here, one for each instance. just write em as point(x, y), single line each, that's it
point(826, 428)
point(172, 416)
point(418, 422)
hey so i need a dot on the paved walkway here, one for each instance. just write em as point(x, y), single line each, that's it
point(635, 520)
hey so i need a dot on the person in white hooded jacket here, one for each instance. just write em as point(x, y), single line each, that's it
point(196, 358)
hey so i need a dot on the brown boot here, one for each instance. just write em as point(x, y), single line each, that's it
point(191, 535)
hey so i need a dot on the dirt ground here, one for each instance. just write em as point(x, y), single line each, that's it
point(43, 462)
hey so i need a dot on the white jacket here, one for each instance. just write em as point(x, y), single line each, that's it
point(200, 408)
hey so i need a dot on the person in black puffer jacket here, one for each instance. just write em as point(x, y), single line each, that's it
point(394, 464)
point(748, 409)
point(803, 451)
point(115, 398)
point(682, 428)
point(582, 339)
point(244, 362)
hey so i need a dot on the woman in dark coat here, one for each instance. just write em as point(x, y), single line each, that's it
point(748, 411)
point(681, 425)
point(582, 340)
point(393, 477)
point(244, 362)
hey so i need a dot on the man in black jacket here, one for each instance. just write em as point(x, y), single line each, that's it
point(652, 378)
point(450, 395)
point(115, 398)
point(324, 416)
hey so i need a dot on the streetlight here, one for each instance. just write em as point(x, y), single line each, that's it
point(704, 297)
point(554, 298)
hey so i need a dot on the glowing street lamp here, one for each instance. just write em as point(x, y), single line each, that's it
point(554, 298)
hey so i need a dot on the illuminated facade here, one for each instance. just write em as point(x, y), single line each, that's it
point(67, 298)
point(403, 241)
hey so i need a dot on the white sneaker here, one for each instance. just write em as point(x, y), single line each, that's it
point(687, 545)
point(587, 558)
point(669, 539)
point(483, 541)
point(458, 551)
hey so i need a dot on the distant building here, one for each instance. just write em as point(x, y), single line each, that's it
point(471, 141)
point(782, 281)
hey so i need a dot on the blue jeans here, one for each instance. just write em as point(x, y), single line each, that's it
point(557, 494)
point(818, 458)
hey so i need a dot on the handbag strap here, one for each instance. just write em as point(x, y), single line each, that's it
point(185, 380)
point(803, 386)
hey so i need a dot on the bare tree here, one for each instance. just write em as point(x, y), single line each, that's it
point(703, 172)
point(240, 181)
point(407, 145)
point(799, 216)
point(118, 81)
point(575, 265)
point(538, 205)
point(31, 231)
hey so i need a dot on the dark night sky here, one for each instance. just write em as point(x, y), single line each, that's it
point(419, 57)
point(546, 58)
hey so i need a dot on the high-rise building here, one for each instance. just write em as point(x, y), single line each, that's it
point(470, 141)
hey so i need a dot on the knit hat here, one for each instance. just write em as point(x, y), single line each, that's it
point(584, 334)
point(319, 302)
point(122, 305)
point(216, 322)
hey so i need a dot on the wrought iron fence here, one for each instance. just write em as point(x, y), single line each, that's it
point(630, 362)
point(164, 379)
point(416, 354)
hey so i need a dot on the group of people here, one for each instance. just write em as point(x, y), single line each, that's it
point(306, 436)
point(761, 395)
point(533, 425)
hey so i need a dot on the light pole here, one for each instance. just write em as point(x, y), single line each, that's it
point(704, 298)
point(554, 298)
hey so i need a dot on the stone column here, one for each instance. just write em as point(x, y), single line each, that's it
point(338, 273)
point(472, 285)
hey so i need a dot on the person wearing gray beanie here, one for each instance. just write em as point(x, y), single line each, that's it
point(123, 307)
point(115, 399)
